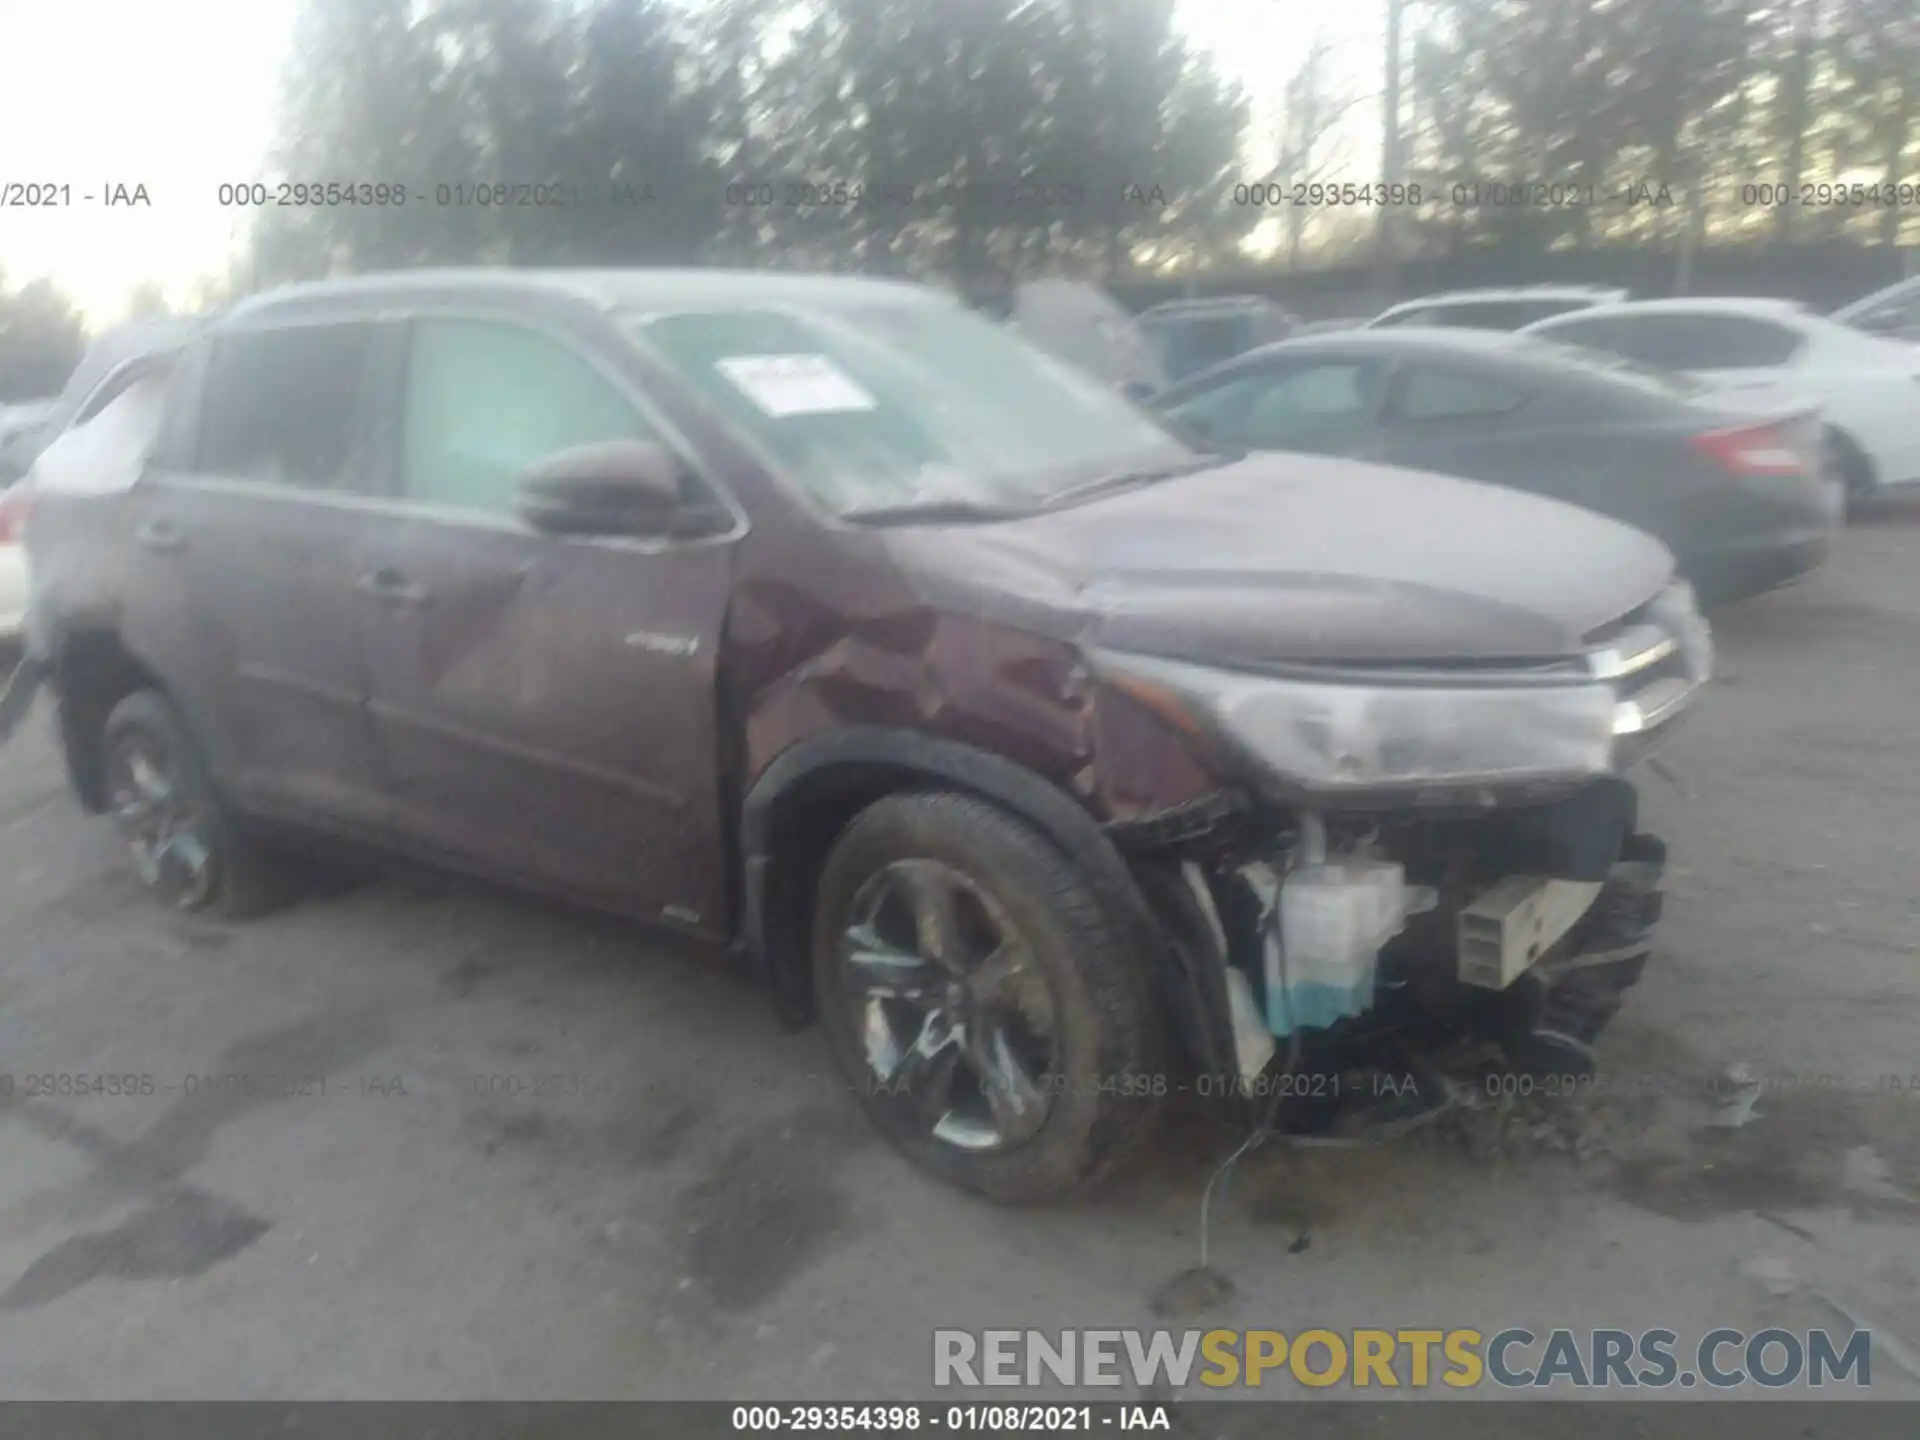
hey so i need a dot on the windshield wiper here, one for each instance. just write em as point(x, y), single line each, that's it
point(1146, 475)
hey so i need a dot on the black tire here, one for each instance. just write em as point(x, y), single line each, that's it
point(1106, 1045)
point(243, 876)
point(1856, 472)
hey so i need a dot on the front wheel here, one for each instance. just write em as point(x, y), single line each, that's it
point(187, 846)
point(979, 1000)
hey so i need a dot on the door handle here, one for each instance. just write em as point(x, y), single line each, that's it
point(161, 536)
point(392, 588)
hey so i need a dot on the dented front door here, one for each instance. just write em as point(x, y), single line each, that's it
point(544, 706)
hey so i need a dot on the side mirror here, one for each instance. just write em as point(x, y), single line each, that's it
point(623, 487)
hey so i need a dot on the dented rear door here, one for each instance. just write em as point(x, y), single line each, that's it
point(544, 705)
point(244, 536)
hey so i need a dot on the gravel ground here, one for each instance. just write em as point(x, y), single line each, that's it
point(539, 1157)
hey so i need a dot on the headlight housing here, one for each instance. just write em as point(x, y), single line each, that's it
point(1333, 736)
point(1342, 732)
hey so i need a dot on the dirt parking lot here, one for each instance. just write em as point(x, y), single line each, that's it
point(483, 1149)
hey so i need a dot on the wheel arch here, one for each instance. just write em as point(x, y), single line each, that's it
point(808, 794)
point(92, 670)
point(1863, 476)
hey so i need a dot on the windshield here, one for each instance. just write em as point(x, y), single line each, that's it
point(900, 406)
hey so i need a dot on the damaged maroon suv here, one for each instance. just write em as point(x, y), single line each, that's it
point(1052, 764)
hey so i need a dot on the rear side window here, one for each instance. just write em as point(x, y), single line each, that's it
point(1430, 393)
point(282, 406)
point(1306, 405)
point(485, 399)
point(1704, 342)
point(102, 451)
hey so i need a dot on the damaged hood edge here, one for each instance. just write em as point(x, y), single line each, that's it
point(1293, 559)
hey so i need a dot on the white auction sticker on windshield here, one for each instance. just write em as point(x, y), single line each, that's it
point(795, 384)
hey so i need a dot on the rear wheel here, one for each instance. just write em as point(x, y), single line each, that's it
point(974, 994)
point(187, 846)
point(1850, 463)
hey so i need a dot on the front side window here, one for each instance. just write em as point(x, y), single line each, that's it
point(486, 399)
point(1313, 406)
point(283, 406)
point(908, 404)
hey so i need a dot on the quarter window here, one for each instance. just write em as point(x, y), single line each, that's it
point(282, 406)
point(1217, 410)
point(484, 400)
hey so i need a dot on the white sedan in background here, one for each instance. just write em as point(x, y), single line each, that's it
point(1868, 388)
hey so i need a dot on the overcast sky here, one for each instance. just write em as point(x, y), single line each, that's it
point(178, 96)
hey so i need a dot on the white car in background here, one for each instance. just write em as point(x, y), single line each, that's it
point(1868, 388)
point(1507, 308)
point(1893, 312)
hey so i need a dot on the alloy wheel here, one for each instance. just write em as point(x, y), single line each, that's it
point(954, 1015)
point(161, 824)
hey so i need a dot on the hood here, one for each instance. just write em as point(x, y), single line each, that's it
point(1276, 559)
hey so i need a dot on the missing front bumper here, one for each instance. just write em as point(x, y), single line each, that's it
point(1551, 1017)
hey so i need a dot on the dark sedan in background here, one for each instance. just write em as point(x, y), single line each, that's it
point(1741, 495)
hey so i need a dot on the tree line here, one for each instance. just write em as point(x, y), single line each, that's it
point(975, 141)
point(978, 140)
